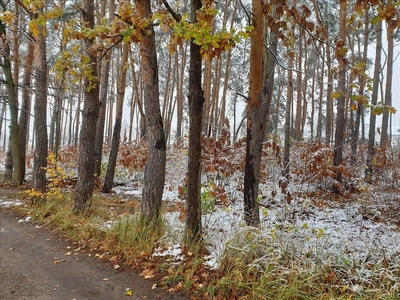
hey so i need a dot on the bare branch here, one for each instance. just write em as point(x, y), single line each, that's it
point(176, 16)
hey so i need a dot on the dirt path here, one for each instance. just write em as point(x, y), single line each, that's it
point(36, 264)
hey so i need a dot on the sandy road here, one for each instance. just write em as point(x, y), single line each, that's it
point(37, 264)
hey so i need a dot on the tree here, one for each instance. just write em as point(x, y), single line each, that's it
point(40, 108)
point(121, 86)
point(341, 51)
point(12, 99)
point(24, 116)
point(196, 100)
point(392, 18)
point(154, 174)
point(374, 101)
point(91, 105)
point(104, 84)
point(256, 115)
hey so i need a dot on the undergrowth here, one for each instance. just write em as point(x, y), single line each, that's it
point(283, 262)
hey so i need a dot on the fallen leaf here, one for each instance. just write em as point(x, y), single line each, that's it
point(68, 253)
point(154, 286)
point(147, 274)
point(57, 262)
point(116, 267)
point(128, 292)
point(105, 279)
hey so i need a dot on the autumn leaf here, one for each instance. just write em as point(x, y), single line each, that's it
point(392, 110)
point(128, 292)
point(148, 273)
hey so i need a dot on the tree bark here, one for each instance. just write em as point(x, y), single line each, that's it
point(105, 75)
point(193, 229)
point(385, 138)
point(24, 116)
point(40, 109)
point(154, 173)
point(340, 118)
point(121, 85)
point(374, 101)
point(12, 102)
point(361, 83)
point(255, 118)
point(91, 105)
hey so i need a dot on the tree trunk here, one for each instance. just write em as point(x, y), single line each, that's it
point(154, 173)
point(77, 119)
point(193, 229)
point(13, 104)
point(121, 86)
point(2, 120)
point(374, 101)
point(105, 75)
point(179, 95)
point(40, 109)
point(255, 118)
point(297, 130)
point(321, 95)
point(361, 83)
point(340, 118)
point(91, 105)
point(24, 116)
point(289, 100)
point(385, 138)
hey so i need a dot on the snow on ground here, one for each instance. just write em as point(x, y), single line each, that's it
point(350, 231)
point(8, 202)
point(333, 231)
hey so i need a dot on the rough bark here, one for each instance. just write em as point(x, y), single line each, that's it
point(255, 118)
point(40, 109)
point(91, 105)
point(193, 226)
point(154, 173)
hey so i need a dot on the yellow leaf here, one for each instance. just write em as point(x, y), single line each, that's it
point(128, 292)
point(336, 94)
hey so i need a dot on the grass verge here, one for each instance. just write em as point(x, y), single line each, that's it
point(253, 266)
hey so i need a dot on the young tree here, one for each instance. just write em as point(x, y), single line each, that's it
point(24, 116)
point(12, 99)
point(341, 51)
point(391, 14)
point(256, 115)
point(104, 85)
point(374, 101)
point(196, 100)
point(121, 86)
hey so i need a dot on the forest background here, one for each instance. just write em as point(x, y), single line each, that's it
point(263, 100)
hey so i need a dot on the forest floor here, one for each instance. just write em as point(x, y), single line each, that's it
point(37, 263)
point(311, 244)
